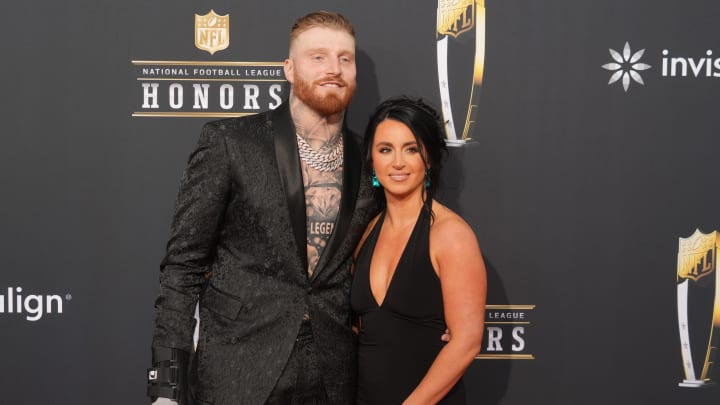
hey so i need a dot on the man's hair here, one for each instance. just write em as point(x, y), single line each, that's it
point(322, 18)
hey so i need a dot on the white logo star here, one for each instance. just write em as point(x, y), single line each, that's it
point(626, 66)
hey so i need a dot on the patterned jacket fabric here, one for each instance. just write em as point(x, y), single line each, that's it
point(238, 245)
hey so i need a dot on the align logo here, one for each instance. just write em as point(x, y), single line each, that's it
point(34, 305)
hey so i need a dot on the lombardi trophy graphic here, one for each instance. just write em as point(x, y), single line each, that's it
point(463, 54)
point(698, 304)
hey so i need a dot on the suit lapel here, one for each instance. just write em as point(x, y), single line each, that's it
point(350, 186)
point(288, 163)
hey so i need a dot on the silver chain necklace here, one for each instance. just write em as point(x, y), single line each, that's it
point(327, 159)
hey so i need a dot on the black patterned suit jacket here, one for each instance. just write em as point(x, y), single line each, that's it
point(238, 245)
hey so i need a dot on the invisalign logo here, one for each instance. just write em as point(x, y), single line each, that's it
point(706, 66)
point(626, 66)
point(34, 305)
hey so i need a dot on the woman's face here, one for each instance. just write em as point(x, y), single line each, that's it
point(397, 160)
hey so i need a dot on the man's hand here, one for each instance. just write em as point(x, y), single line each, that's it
point(164, 401)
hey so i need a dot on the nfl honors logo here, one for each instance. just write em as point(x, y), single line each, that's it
point(212, 32)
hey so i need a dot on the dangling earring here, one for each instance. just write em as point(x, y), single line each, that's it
point(427, 178)
point(375, 181)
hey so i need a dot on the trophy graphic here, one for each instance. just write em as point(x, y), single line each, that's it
point(456, 21)
point(698, 301)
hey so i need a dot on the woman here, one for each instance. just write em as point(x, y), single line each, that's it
point(418, 269)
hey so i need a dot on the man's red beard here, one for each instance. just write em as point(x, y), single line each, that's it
point(328, 104)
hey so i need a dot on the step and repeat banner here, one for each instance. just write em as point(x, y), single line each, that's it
point(584, 153)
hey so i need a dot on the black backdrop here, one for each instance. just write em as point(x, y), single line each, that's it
point(578, 190)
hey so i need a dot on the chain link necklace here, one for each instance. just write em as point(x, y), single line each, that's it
point(326, 159)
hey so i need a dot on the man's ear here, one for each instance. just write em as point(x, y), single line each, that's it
point(289, 69)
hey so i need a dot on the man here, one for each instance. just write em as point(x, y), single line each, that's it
point(269, 211)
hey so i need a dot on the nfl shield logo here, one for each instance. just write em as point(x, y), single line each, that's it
point(212, 32)
point(455, 17)
point(696, 255)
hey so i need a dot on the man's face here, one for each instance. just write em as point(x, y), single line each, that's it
point(321, 68)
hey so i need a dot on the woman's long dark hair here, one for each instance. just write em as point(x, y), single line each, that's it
point(428, 129)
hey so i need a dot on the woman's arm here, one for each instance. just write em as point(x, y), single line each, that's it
point(456, 257)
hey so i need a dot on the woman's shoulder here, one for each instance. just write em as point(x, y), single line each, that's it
point(449, 233)
point(453, 244)
point(447, 223)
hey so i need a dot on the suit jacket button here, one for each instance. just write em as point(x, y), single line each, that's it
point(233, 340)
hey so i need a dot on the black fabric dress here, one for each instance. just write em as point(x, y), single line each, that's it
point(399, 338)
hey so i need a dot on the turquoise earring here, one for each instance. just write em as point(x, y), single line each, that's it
point(375, 181)
point(427, 178)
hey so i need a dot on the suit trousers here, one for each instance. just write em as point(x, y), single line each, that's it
point(301, 381)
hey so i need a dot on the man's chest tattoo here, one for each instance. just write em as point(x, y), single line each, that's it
point(322, 204)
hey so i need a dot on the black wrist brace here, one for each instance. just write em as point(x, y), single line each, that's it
point(167, 377)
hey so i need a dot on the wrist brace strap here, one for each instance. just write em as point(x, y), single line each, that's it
point(164, 378)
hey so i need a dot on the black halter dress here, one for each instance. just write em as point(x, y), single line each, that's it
point(400, 337)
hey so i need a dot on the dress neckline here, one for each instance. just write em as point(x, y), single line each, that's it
point(403, 256)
